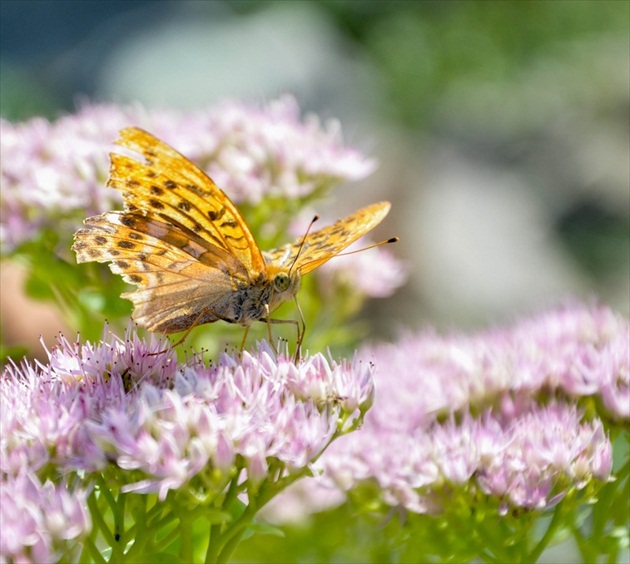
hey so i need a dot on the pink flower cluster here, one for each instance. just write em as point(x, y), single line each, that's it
point(38, 518)
point(495, 413)
point(130, 411)
point(256, 152)
point(54, 174)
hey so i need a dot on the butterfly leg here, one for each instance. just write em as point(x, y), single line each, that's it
point(185, 336)
point(244, 338)
point(300, 337)
point(269, 321)
point(203, 312)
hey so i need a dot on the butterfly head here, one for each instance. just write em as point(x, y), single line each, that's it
point(281, 282)
point(284, 283)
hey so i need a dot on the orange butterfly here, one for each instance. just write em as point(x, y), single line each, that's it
point(187, 247)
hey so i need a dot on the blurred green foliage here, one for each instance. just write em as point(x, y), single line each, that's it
point(422, 49)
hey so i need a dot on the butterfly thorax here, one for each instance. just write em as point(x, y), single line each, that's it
point(256, 299)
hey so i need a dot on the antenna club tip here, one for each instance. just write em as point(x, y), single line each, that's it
point(393, 240)
point(315, 217)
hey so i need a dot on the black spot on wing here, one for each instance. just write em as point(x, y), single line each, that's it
point(196, 190)
point(216, 215)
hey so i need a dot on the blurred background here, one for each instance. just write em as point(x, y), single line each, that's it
point(501, 128)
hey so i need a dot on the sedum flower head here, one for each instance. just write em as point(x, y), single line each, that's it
point(499, 414)
point(273, 151)
point(126, 411)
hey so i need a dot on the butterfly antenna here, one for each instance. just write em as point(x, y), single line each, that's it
point(386, 242)
point(297, 255)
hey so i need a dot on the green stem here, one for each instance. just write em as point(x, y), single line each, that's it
point(185, 530)
point(119, 520)
point(234, 534)
point(212, 553)
point(104, 490)
point(487, 540)
point(215, 540)
point(93, 551)
point(156, 512)
point(167, 540)
point(555, 523)
point(163, 521)
point(582, 545)
point(221, 549)
point(137, 531)
point(233, 490)
point(221, 546)
point(98, 520)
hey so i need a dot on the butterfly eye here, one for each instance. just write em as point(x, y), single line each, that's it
point(281, 281)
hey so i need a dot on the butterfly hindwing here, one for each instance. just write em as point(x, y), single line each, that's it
point(177, 278)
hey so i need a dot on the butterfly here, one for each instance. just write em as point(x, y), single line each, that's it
point(183, 242)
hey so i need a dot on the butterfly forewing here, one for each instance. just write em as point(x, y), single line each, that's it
point(322, 245)
point(168, 186)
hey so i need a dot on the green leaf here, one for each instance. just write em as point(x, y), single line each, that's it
point(162, 558)
point(261, 528)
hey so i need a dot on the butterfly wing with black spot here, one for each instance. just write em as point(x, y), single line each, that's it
point(180, 238)
point(167, 185)
point(179, 278)
point(324, 244)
